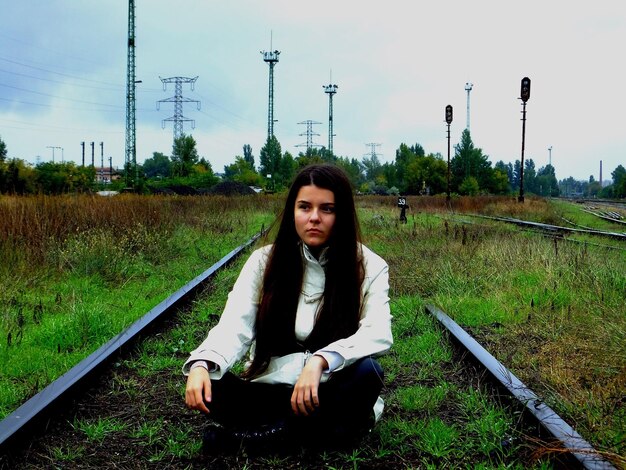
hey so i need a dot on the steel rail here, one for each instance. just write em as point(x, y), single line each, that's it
point(573, 442)
point(605, 217)
point(552, 228)
point(42, 405)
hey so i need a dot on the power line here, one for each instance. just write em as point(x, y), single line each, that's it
point(60, 73)
point(56, 81)
point(59, 97)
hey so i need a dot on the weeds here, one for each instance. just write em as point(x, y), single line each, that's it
point(99, 429)
point(554, 314)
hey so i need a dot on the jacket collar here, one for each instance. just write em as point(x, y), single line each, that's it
point(322, 260)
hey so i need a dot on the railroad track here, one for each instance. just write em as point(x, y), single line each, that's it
point(553, 229)
point(41, 409)
point(609, 215)
point(550, 422)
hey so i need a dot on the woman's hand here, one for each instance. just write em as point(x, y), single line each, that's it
point(198, 389)
point(304, 398)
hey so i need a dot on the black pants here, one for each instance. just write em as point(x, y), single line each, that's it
point(347, 398)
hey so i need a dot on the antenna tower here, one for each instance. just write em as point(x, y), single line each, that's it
point(330, 89)
point(309, 135)
point(468, 88)
point(271, 58)
point(130, 160)
point(178, 99)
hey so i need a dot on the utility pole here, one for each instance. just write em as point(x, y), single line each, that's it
point(550, 155)
point(330, 89)
point(93, 155)
point(271, 59)
point(178, 99)
point(309, 135)
point(101, 162)
point(468, 88)
point(82, 144)
point(130, 160)
point(53, 148)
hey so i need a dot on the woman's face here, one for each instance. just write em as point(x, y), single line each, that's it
point(314, 215)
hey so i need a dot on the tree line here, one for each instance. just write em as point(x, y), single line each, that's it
point(412, 172)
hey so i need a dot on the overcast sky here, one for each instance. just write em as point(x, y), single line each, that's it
point(397, 65)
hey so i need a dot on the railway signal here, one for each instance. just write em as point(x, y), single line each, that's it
point(524, 96)
point(525, 92)
point(448, 121)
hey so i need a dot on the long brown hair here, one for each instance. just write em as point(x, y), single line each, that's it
point(340, 310)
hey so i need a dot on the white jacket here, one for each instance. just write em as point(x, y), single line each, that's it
point(233, 336)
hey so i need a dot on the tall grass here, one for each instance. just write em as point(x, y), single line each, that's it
point(76, 270)
point(552, 311)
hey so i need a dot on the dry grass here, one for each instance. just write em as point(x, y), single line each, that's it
point(32, 226)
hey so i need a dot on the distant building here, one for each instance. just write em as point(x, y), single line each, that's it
point(103, 175)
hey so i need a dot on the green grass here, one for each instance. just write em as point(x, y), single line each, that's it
point(93, 284)
point(97, 430)
point(554, 313)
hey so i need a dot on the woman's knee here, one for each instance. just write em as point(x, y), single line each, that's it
point(369, 367)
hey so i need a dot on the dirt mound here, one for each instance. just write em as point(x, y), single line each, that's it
point(231, 188)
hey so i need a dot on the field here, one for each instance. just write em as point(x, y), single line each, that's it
point(78, 269)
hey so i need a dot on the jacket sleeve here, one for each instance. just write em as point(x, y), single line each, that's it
point(230, 339)
point(373, 336)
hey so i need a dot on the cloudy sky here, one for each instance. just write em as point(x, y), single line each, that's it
point(397, 65)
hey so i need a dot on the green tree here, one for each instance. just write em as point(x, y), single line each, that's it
point(184, 155)
point(353, 169)
point(470, 161)
point(499, 182)
point(619, 181)
point(18, 177)
point(287, 169)
point(547, 182)
point(530, 174)
point(269, 158)
point(507, 169)
point(247, 156)
point(469, 186)
point(3, 170)
point(3, 151)
point(242, 172)
point(159, 165)
point(373, 169)
point(404, 157)
point(57, 178)
point(426, 174)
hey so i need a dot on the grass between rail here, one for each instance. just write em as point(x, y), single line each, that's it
point(553, 312)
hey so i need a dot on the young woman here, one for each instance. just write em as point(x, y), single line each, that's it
point(312, 310)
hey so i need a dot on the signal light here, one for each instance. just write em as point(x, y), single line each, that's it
point(448, 114)
point(525, 93)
